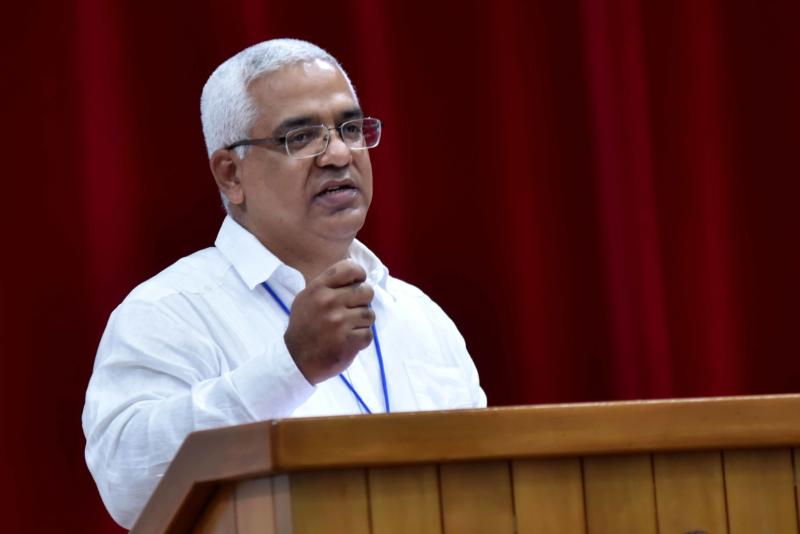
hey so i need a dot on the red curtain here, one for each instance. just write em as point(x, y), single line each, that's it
point(601, 193)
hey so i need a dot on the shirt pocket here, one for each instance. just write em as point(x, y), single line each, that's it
point(438, 387)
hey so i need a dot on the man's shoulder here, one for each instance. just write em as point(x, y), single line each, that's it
point(197, 273)
point(417, 304)
point(402, 289)
point(413, 298)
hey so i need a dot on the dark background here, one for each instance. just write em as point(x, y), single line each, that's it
point(601, 193)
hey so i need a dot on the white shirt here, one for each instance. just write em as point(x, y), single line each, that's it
point(200, 345)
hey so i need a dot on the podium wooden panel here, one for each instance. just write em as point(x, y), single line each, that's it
point(722, 465)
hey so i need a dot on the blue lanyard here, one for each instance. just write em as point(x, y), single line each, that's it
point(345, 380)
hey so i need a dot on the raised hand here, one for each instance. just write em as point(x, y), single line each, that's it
point(331, 321)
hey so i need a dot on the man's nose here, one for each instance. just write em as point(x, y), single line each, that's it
point(338, 153)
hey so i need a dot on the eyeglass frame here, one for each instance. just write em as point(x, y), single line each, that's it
point(283, 140)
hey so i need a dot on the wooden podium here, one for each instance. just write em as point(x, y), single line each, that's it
point(723, 465)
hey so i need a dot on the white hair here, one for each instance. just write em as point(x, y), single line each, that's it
point(226, 109)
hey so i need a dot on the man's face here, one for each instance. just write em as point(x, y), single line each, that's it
point(303, 203)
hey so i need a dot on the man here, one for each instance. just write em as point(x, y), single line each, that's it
point(287, 315)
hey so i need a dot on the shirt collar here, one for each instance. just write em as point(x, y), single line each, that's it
point(256, 264)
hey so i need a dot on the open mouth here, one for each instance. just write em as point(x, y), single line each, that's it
point(335, 189)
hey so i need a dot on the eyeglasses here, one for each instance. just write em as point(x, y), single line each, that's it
point(310, 141)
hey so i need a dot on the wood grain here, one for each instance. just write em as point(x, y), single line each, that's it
point(219, 516)
point(255, 506)
point(760, 489)
point(690, 492)
point(548, 496)
point(537, 431)
point(796, 458)
point(476, 498)
point(282, 497)
point(334, 502)
point(380, 440)
point(619, 494)
point(405, 499)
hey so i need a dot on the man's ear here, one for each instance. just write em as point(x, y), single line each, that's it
point(227, 169)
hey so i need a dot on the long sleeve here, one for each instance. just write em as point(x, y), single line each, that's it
point(157, 378)
point(200, 345)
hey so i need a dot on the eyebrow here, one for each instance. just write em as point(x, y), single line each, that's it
point(295, 122)
point(355, 113)
point(313, 120)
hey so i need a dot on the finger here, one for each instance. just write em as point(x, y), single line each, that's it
point(355, 295)
point(360, 337)
point(357, 318)
point(341, 274)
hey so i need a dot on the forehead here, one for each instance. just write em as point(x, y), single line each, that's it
point(315, 89)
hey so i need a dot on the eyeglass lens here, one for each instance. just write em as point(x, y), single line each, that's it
point(310, 141)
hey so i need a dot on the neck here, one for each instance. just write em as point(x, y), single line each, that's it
point(312, 265)
point(311, 256)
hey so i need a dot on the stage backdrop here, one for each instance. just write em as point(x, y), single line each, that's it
point(603, 194)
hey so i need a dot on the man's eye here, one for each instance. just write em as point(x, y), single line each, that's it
point(300, 138)
point(351, 129)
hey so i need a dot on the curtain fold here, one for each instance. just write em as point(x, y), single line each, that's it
point(601, 193)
